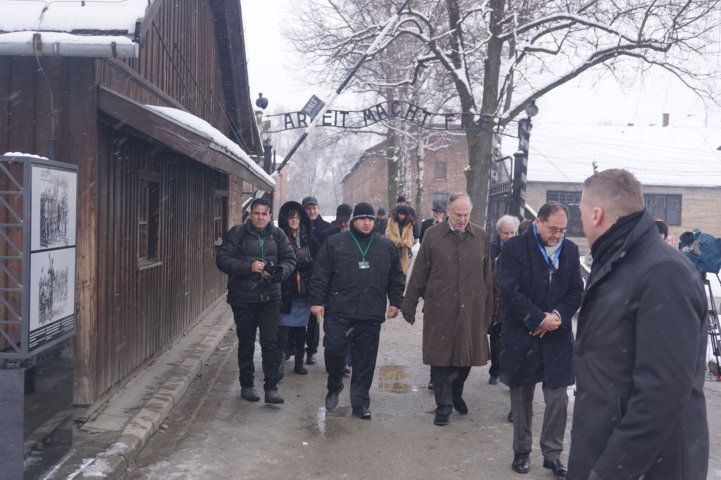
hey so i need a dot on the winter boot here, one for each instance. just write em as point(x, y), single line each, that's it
point(299, 368)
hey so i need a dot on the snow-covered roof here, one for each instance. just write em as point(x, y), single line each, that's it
point(678, 156)
point(70, 16)
point(67, 45)
point(71, 28)
point(217, 139)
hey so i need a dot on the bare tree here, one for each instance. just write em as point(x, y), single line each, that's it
point(330, 34)
point(502, 55)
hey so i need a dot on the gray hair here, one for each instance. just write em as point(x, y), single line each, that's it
point(455, 196)
point(507, 219)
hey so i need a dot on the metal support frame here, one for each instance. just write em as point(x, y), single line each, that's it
point(15, 263)
point(11, 294)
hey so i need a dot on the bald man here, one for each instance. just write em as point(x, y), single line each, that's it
point(640, 410)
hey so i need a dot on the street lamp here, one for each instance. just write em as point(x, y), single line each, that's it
point(520, 167)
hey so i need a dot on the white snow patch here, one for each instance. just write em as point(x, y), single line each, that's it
point(110, 15)
point(68, 38)
point(203, 128)
point(20, 154)
point(99, 468)
point(117, 448)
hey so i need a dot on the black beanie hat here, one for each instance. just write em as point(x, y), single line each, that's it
point(343, 212)
point(363, 210)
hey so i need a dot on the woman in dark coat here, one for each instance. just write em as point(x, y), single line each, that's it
point(295, 306)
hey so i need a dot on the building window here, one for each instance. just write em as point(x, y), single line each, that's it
point(665, 207)
point(440, 170)
point(220, 215)
point(570, 200)
point(439, 197)
point(148, 219)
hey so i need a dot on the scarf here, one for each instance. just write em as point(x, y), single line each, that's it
point(606, 246)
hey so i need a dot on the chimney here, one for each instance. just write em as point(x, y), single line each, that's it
point(666, 117)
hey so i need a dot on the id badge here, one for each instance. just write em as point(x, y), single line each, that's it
point(364, 265)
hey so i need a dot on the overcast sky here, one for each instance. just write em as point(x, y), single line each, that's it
point(586, 100)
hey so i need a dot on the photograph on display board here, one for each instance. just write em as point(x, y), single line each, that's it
point(52, 277)
point(53, 208)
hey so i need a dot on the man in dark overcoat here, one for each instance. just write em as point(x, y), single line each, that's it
point(312, 334)
point(257, 257)
point(541, 283)
point(356, 273)
point(453, 275)
point(640, 410)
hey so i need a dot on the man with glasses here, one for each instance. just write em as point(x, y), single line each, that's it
point(541, 284)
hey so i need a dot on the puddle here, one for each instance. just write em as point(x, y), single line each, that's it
point(390, 376)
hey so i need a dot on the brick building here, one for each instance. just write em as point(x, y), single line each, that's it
point(442, 175)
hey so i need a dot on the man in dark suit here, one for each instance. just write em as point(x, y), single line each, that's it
point(541, 283)
point(640, 356)
point(438, 212)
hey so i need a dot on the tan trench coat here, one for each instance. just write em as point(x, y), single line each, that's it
point(453, 274)
point(401, 239)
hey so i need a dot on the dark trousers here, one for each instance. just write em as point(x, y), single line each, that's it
point(249, 318)
point(363, 337)
point(312, 335)
point(494, 338)
point(294, 338)
point(448, 383)
point(554, 420)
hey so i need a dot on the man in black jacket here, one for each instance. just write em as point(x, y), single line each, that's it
point(381, 221)
point(438, 211)
point(341, 223)
point(257, 257)
point(354, 274)
point(640, 354)
point(312, 334)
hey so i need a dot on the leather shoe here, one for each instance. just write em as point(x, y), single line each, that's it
point(271, 396)
point(521, 463)
point(460, 406)
point(249, 393)
point(493, 380)
point(441, 419)
point(311, 359)
point(362, 412)
point(559, 470)
point(331, 400)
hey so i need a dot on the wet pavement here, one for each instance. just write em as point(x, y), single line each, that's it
point(213, 434)
point(182, 418)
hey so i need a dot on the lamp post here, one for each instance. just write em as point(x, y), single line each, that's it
point(262, 103)
point(520, 164)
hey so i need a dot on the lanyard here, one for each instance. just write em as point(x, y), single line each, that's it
point(362, 252)
point(261, 243)
point(548, 260)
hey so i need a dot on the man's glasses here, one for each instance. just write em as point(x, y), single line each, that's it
point(556, 231)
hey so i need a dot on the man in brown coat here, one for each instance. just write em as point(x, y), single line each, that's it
point(453, 275)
